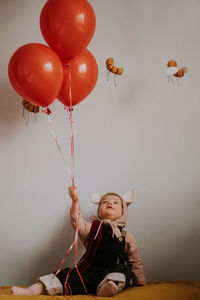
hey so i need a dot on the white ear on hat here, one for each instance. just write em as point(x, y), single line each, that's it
point(129, 197)
point(95, 198)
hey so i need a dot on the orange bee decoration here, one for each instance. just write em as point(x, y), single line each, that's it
point(113, 69)
point(174, 70)
point(30, 108)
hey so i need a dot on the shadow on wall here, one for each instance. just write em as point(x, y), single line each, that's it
point(49, 256)
point(175, 253)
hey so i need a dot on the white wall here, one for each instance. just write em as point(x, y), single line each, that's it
point(142, 134)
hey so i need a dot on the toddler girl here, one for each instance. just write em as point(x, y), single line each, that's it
point(111, 261)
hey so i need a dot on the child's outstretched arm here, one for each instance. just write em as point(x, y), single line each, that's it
point(84, 226)
point(75, 204)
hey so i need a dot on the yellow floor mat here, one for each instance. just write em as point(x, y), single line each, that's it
point(180, 290)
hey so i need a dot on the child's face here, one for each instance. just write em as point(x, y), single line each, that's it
point(110, 208)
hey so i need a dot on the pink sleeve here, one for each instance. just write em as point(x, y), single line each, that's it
point(84, 226)
point(134, 259)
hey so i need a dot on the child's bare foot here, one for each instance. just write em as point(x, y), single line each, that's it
point(108, 289)
point(35, 289)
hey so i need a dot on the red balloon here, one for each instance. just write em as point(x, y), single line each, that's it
point(84, 74)
point(67, 26)
point(36, 73)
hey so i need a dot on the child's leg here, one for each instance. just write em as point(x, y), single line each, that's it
point(46, 285)
point(112, 284)
point(74, 285)
point(35, 289)
point(108, 289)
point(52, 284)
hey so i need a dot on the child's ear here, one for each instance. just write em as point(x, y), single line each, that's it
point(129, 197)
point(95, 198)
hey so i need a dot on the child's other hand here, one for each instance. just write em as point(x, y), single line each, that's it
point(73, 194)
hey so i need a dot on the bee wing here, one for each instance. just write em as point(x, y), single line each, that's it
point(185, 69)
point(172, 70)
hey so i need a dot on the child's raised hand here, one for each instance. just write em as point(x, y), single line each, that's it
point(73, 194)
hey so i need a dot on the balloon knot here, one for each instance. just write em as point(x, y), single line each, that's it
point(47, 111)
point(67, 65)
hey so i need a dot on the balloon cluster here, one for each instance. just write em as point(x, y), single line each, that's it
point(65, 70)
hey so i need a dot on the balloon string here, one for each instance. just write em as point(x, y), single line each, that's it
point(71, 174)
point(75, 243)
point(72, 145)
point(68, 289)
point(76, 249)
point(72, 155)
point(69, 292)
point(59, 148)
point(70, 110)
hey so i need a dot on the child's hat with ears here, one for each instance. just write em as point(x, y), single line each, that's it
point(128, 197)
